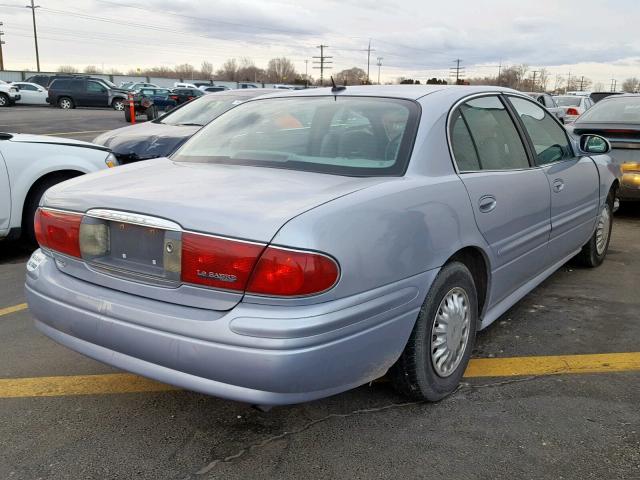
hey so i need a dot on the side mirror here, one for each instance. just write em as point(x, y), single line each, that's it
point(594, 144)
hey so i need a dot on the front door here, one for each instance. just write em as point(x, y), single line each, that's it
point(510, 199)
point(5, 196)
point(574, 180)
point(97, 95)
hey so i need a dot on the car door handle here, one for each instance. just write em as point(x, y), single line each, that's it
point(487, 203)
point(558, 185)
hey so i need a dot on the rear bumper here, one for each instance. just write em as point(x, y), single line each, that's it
point(256, 354)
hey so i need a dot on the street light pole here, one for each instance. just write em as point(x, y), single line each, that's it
point(35, 31)
point(379, 65)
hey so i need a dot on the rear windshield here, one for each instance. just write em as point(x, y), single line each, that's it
point(619, 110)
point(201, 111)
point(357, 136)
point(568, 101)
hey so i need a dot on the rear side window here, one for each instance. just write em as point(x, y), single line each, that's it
point(497, 143)
point(464, 150)
point(357, 136)
point(549, 139)
point(61, 84)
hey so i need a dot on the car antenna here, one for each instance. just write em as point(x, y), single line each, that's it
point(335, 87)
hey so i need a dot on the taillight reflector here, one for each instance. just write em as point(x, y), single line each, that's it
point(58, 231)
point(572, 111)
point(285, 272)
point(218, 262)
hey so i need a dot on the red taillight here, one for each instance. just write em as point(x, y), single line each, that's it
point(242, 266)
point(173, 97)
point(572, 111)
point(218, 262)
point(58, 231)
point(292, 273)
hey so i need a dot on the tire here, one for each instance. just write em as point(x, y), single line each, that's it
point(415, 374)
point(595, 250)
point(152, 113)
point(5, 101)
point(127, 115)
point(66, 103)
point(31, 205)
point(118, 104)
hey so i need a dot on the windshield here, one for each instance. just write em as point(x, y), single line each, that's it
point(201, 111)
point(361, 136)
point(619, 110)
point(110, 84)
point(568, 101)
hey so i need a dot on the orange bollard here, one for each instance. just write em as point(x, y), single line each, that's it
point(132, 109)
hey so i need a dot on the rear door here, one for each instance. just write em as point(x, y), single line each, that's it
point(574, 180)
point(510, 198)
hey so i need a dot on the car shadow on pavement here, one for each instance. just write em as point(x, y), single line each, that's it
point(14, 251)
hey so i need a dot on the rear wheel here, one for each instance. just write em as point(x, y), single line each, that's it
point(152, 113)
point(127, 115)
point(594, 251)
point(438, 351)
point(4, 100)
point(65, 103)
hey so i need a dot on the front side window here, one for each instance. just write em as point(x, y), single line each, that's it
point(493, 134)
point(549, 139)
point(358, 136)
point(95, 87)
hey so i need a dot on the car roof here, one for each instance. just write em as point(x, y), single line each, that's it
point(410, 92)
point(243, 92)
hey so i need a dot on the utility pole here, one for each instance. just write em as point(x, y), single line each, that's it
point(369, 60)
point(568, 83)
point(582, 83)
point(322, 62)
point(1, 43)
point(499, 72)
point(457, 71)
point(614, 84)
point(35, 31)
point(306, 72)
point(379, 66)
point(533, 82)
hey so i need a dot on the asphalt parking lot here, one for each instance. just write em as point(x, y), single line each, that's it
point(553, 391)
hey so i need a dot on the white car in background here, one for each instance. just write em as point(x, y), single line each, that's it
point(9, 94)
point(31, 93)
point(184, 85)
point(30, 164)
point(574, 105)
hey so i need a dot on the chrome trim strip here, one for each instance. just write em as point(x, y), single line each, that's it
point(134, 219)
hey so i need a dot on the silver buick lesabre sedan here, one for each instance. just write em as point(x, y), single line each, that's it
point(308, 242)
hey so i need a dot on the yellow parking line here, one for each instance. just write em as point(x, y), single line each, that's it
point(14, 308)
point(78, 385)
point(550, 365)
point(478, 367)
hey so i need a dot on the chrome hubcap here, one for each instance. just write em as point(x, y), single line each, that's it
point(119, 106)
point(603, 230)
point(65, 104)
point(450, 332)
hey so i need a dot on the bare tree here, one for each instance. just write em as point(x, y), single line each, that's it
point(92, 69)
point(229, 70)
point(206, 70)
point(631, 85)
point(351, 76)
point(185, 70)
point(67, 69)
point(248, 72)
point(281, 70)
point(114, 71)
point(598, 87)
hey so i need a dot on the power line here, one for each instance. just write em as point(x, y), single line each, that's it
point(322, 62)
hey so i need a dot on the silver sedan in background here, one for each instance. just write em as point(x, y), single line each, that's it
point(305, 243)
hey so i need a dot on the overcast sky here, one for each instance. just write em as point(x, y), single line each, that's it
point(418, 39)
